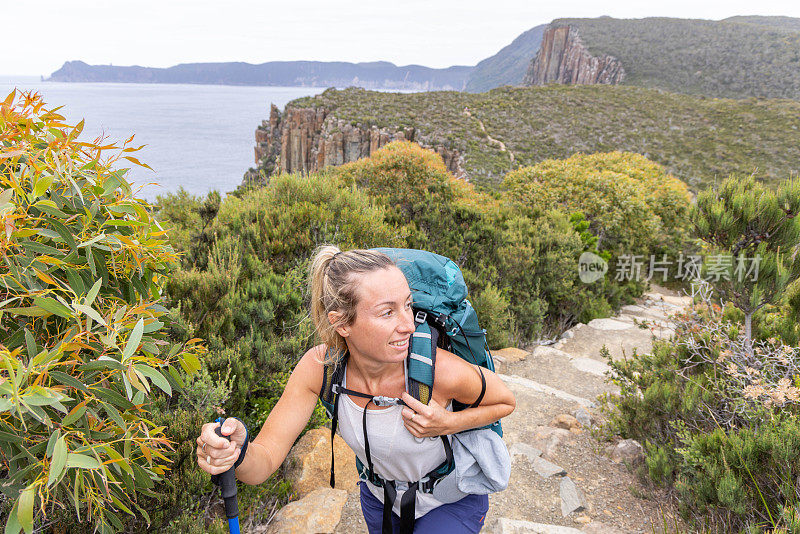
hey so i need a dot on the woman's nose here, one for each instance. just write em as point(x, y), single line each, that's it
point(408, 324)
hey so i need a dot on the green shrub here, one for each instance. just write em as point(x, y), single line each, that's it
point(633, 206)
point(719, 423)
point(439, 212)
point(83, 352)
point(493, 309)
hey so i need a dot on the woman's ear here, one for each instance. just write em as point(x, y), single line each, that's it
point(334, 316)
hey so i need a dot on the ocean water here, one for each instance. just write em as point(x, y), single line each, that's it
point(199, 137)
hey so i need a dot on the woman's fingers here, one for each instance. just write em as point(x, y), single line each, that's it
point(210, 437)
point(216, 464)
point(215, 454)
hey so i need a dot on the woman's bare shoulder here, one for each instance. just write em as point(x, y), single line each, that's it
point(310, 369)
point(455, 377)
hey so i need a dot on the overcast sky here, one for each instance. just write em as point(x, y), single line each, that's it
point(39, 36)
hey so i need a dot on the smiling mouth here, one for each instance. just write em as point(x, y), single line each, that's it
point(402, 346)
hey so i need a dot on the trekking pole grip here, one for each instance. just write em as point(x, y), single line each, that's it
point(227, 482)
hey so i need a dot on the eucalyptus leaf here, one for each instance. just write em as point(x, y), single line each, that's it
point(58, 462)
point(133, 340)
point(82, 461)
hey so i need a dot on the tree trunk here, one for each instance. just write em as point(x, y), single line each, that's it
point(748, 338)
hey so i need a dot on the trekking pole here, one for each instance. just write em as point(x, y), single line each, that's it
point(227, 482)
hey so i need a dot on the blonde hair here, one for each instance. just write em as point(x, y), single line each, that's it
point(333, 278)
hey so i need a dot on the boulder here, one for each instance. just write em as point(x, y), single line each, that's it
point(547, 438)
point(510, 354)
point(565, 421)
point(583, 416)
point(627, 450)
point(310, 463)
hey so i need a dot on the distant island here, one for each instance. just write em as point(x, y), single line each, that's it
point(372, 75)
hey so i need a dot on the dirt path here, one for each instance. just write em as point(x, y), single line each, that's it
point(499, 144)
point(566, 378)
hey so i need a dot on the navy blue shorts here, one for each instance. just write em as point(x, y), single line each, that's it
point(461, 517)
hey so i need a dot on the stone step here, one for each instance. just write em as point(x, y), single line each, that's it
point(534, 491)
point(619, 336)
point(577, 376)
point(544, 388)
point(504, 525)
point(670, 300)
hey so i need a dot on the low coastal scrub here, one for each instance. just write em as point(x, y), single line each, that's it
point(717, 406)
point(734, 58)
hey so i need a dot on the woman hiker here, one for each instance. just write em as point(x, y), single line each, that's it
point(361, 304)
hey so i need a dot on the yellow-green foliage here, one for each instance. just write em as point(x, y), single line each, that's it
point(82, 351)
point(438, 211)
point(632, 204)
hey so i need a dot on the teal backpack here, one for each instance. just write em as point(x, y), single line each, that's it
point(444, 318)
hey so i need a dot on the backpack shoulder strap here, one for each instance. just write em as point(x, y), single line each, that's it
point(422, 360)
point(333, 374)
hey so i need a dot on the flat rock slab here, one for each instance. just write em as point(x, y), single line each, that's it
point(504, 525)
point(609, 324)
point(547, 469)
point(674, 301)
point(571, 497)
point(530, 452)
point(543, 351)
point(588, 342)
point(552, 367)
point(589, 365)
point(542, 388)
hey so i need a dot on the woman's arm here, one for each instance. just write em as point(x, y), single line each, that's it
point(461, 381)
point(284, 423)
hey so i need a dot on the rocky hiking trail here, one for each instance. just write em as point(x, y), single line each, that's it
point(563, 480)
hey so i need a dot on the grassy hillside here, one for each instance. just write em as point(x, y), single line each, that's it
point(508, 66)
point(752, 56)
point(695, 138)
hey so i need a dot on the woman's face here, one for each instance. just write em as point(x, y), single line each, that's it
point(384, 320)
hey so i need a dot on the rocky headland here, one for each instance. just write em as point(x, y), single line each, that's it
point(563, 58)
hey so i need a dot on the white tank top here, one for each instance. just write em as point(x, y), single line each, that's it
point(396, 454)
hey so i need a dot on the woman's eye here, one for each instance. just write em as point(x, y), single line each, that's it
point(388, 312)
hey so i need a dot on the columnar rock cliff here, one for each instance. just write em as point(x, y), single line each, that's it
point(563, 58)
point(308, 139)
